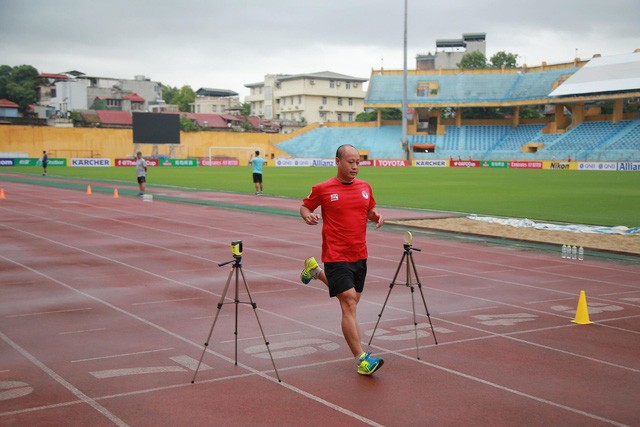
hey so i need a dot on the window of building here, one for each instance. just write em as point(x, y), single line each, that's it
point(324, 100)
point(339, 117)
point(197, 108)
point(350, 117)
point(299, 99)
point(291, 99)
point(214, 108)
point(350, 101)
point(339, 101)
point(332, 83)
point(427, 89)
point(347, 85)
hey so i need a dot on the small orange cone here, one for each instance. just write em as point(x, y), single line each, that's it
point(89, 189)
point(2, 193)
point(582, 313)
point(115, 193)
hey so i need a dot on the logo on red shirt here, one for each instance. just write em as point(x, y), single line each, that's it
point(334, 197)
point(365, 195)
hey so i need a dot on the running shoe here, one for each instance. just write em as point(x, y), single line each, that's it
point(309, 265)
point(368, 365)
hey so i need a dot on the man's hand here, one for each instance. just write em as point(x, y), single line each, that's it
point(374, 216)
point(309, 217)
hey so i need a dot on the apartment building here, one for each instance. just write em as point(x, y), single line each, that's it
point(295, 100)
point(77, 91)
point(216, 101)
point(449, 52)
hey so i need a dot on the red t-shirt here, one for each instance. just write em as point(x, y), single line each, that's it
point(345, 209)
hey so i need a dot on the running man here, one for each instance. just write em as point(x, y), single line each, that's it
point(346, 204)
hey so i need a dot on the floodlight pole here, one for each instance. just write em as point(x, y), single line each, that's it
point(405, 143)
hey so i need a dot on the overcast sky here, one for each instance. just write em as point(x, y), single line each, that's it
point(228, 43)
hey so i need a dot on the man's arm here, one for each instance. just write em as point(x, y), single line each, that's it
point(308, 216)
point(374, 216)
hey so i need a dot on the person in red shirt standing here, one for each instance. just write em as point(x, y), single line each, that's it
point(347, 204)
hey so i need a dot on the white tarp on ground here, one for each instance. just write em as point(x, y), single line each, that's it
point(578, 228)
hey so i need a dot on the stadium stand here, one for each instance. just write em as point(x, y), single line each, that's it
point(381, 142)
point(588, 135)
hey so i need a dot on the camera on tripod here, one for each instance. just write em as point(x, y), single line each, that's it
point(236, 248)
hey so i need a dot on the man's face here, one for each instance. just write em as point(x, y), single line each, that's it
point(348, 165)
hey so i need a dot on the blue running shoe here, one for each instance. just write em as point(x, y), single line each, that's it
point(368, 365)
point(310, 264)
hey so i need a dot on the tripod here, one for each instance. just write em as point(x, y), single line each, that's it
point(236, 271)
point(410, 265)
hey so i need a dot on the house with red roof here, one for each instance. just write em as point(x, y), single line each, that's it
point(8, 108)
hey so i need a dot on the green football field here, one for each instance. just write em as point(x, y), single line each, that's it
point(585, 197)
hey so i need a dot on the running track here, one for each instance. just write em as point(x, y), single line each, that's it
point(105, 305)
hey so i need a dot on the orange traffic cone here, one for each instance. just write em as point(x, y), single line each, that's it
point(89, 189)
point(582, 313)
point(115, 193)
point(2, 193)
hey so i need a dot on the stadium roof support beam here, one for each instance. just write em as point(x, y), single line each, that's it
point(618, 110)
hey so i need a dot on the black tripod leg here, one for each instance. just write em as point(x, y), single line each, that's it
point(433, 332)
point(393, 282)
point(236, 302)
point(254, 305)
point(215, 319)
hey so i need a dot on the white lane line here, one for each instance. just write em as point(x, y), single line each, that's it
point(82, 331)
point(467, 310)
point(190, 363)
point(260, 336)
point(40, 313)
point(384, 320)
point(70, 387)
point(166, 300)
point(551, 300)
point(122, 355)
point(112, 373)
point(211, 316)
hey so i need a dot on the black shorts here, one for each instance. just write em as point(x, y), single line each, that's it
point(343, 276)
point(257, 178)
point(142, 179)
point(44, 164)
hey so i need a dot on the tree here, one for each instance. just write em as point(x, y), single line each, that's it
point(473, 60)
point(506, 59)
point(188, 125)
point(181, 97)
point(18, 84)
point(387, 114)
point(246, 109)
point(169, 93)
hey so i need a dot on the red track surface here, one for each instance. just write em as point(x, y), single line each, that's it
point(105, 305)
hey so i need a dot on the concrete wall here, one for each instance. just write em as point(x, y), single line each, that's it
point(118, 143)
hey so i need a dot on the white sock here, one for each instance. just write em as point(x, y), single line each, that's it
point(315, 272)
